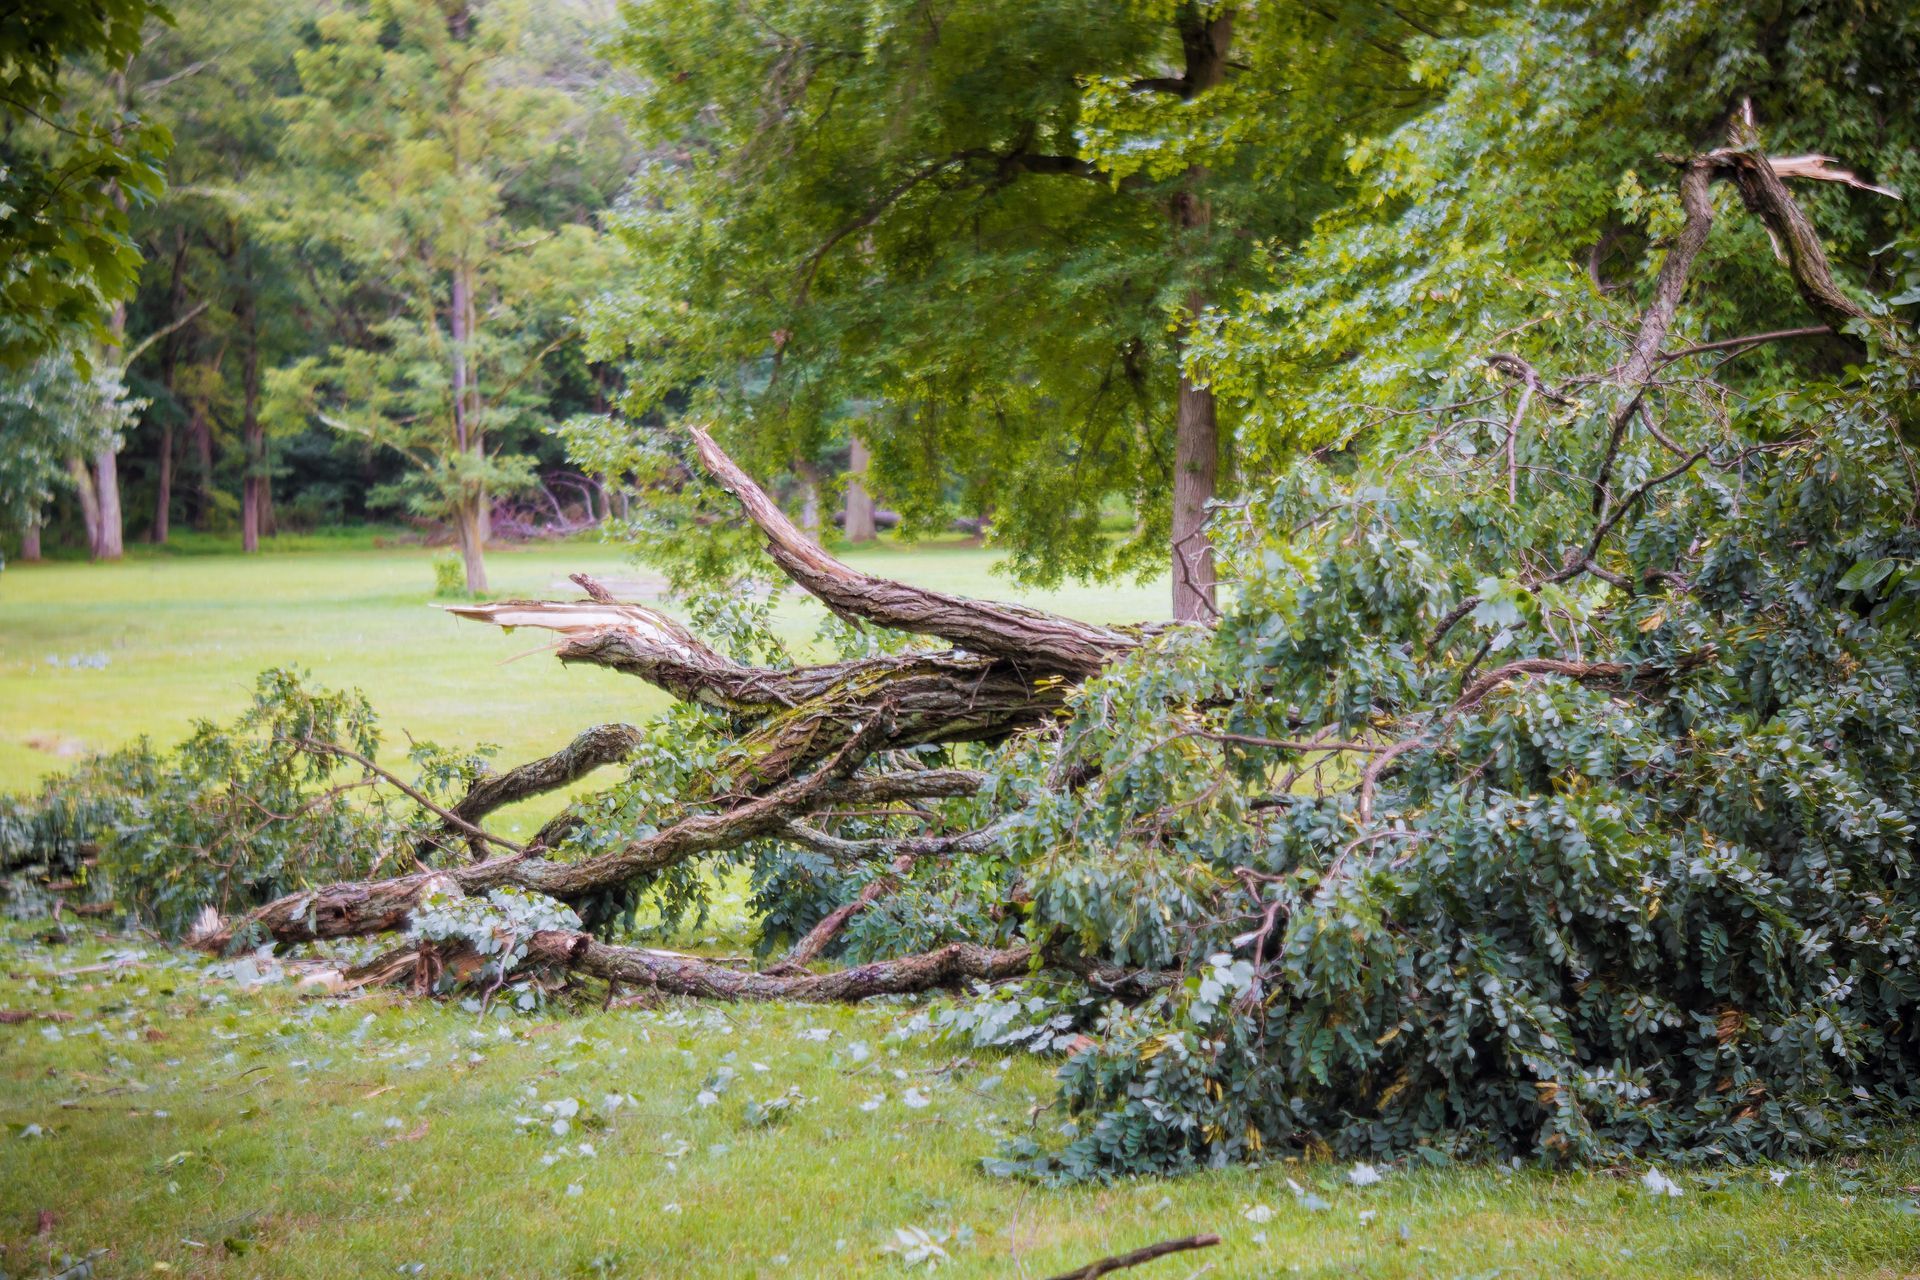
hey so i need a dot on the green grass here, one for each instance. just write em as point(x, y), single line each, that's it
point(188, 1122)
point(183, 637)
point(189, 1125)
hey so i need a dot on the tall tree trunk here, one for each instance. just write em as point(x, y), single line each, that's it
point(473, 513)
point(1196, 438)
point(859, 521)
point(111, 542)
point(163, 490)
point(200, 436)
point(83, 489)
point(253, 438)
point(30, 541)
point(169, 377)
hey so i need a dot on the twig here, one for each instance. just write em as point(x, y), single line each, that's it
point(1121, 1261)
point(1751, 340)
point(451, 818)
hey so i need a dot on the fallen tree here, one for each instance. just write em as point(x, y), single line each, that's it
point(1549, 785)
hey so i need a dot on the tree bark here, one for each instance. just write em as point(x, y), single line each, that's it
point(681, 975)
point(30, 541)
point(1196, 463)
point(859, 526)
point(163, 487)
point(1196, 441)
point(200, 434)
point(89, 498)
point(1030, 640)
point(169, 371)
point(472, 512)
point(111, 541)
point(253, 441)
point(468, 529)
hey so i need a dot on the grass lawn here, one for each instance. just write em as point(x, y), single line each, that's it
point(187, 1120)
point(92, 656)
point(187, 1123)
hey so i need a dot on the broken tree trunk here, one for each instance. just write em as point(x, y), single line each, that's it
point(803, 738)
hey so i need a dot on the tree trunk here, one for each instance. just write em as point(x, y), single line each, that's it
point(30, 541)
point(200, 434)
point(1196, 461)
point(89, 497)
point(163, 490)
point(253, 442)
point(111, 542)
point(859, 512)
point(169, 378)
point(1196, 441)
point(468, 528)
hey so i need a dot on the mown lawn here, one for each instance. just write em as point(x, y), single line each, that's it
point(186, 1120)
point(92, 656)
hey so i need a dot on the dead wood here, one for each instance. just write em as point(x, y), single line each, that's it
point(1121, 1261)
point(675, 974)
point(356, 907)
point(1029, 638)
point(601, 745)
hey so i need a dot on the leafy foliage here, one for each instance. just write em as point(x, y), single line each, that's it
point(68, 174)
point(236, 814)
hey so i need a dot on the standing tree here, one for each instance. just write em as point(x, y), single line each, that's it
point(51, 413)
point(417, 149)
point(992, 223)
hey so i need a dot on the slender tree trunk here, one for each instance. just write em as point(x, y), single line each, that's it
point(109, 541)
point(83, 489)
point(859, 521)
point(163, 491)
point(169, 377)
point(472, 515)
point(30, 541)
point(1196, 440)
point(253, 439)
point(1196, 465)
point(200, 435)
point(466, 523)
point(111, 544)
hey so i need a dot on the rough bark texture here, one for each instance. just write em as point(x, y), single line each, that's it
point(253, 438)
point(352, 908)
point(163, 487)
point(680, 975)
point(1205, 41)
point(1761, 190)
point(1028, 638)
point(601, 745)
point(111, 543)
